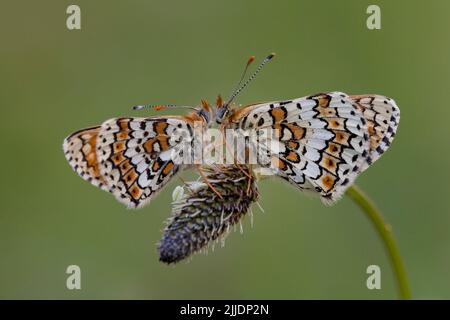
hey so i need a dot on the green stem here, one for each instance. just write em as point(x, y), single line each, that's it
point(385, 232)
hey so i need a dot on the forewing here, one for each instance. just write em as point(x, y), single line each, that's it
point(323, 140)
point(136, 157)
point(383, 117)
point(80, 151)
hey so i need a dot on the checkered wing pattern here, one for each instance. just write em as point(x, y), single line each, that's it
point(133, 158)
point(325, 140)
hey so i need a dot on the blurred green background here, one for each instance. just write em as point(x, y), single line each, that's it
point(54, 81)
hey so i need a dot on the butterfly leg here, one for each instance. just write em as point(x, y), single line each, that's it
point(228, 149)
point(250, 177)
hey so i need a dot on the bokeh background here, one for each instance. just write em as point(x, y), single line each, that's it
point(54, 81)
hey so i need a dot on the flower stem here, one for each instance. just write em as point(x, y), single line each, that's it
point(386, 234)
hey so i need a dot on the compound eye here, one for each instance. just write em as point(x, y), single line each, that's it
point(221, 114)
point(205, 115)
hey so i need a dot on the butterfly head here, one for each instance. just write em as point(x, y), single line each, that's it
point(222, 110)
point(205, 111)
point(209, 113)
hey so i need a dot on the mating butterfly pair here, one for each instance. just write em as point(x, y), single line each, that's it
point(324, 142)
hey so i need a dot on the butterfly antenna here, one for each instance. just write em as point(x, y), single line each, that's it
point(244, 72)
point(240, 87)
point(158, 107)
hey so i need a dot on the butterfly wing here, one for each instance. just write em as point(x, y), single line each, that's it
point(80, 151)
point(324, 139)
point(383, 117)
point(134, 157)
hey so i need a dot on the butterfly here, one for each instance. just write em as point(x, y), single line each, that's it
point(324, 141)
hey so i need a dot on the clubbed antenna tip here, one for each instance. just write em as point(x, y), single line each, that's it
point(240, 87)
